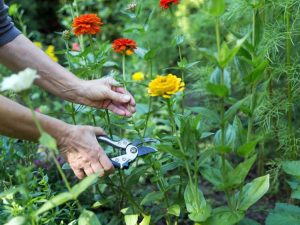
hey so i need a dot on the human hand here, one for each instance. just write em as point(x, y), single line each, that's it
point(105, 93)
point(82, 151)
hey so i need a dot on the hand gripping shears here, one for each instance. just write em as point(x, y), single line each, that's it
point(132, 150)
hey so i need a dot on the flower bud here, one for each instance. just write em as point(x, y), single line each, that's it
point(66, 35)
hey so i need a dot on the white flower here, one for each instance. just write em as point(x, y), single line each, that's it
point(19, 82)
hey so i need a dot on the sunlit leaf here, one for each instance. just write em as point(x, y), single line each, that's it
point(88, 218)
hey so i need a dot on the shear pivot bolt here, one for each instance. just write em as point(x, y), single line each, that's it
point(133, 150)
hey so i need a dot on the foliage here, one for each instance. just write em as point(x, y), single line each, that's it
point(223, 142)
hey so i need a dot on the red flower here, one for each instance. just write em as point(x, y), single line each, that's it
point(124, 46)
point(165, 4)
point(87, 24)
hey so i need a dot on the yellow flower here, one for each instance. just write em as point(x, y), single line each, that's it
point(38, 44)
point(138, 76)
point(165, 86)
point(50, 52)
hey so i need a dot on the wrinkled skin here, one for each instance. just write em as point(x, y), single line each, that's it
point(82, 151)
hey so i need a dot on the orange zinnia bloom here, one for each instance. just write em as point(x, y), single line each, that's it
point(124, 46)
point(87, 24)
point(165, 4)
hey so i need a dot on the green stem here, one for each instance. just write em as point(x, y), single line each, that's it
point(124, 69)
point(148, 116)
point(174, 132)
point(94, 54)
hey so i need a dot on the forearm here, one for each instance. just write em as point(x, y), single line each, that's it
point(17, 121)
point(21, 53)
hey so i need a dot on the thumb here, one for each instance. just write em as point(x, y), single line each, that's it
point(118, 97)
point(99, 131)
point(112, 82)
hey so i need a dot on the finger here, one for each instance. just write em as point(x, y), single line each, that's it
point(88, 170)
point(105, 162)
point(118, 97)
point(112, 82)
point(123, 91)
point(116, 109)
point(78, 173)
point(121, 108)
point(97, 167)
point(99, 131)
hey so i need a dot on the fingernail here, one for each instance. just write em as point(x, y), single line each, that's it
point(126, 98)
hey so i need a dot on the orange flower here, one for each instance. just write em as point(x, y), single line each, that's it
point(87, 24)
point(124, 46)
point(165, 4)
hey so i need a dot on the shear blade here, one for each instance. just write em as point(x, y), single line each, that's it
point(144, 150)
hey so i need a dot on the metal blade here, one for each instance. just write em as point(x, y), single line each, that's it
point(144, 150)
point(145, 140)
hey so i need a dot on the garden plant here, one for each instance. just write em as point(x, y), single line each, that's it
point(215, 83)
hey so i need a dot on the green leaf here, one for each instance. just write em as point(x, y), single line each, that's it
point(284, 214)
point(88, 218)
point(296, 193)
point(131, 219)
point(247, 221)
point(257, 74)
point(54, 202)
point(216, 7)
point(238, 175)
point(247, 149)
point(224, 216)
point(146, 220)
point(152, 197)
point(215, 77)
point(199, 210)
point(253, 191)
point(19, 220)
point(231, 112)
point(83, 185)
point(292, 168)
point(217, 89)
point(150, 54)
point(174, 210)
point(228, 54)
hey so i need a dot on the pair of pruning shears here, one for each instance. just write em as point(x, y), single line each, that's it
point(132, 150)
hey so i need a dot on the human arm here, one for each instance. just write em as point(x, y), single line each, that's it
point(78, 144)
point(21, 53)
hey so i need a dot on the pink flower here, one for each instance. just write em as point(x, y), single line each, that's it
point(38, 110)
point(75, 47)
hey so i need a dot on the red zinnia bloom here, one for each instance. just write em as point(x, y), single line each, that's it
point(124, 46)
point(165, 4)
point(87, 24)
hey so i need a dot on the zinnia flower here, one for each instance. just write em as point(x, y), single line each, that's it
point(19, 82)
point(138, 76)
point(50, 52)
point(87, 24)
point(124, 46)
point(75, 47)
point(165, 86)
point(165, 4)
